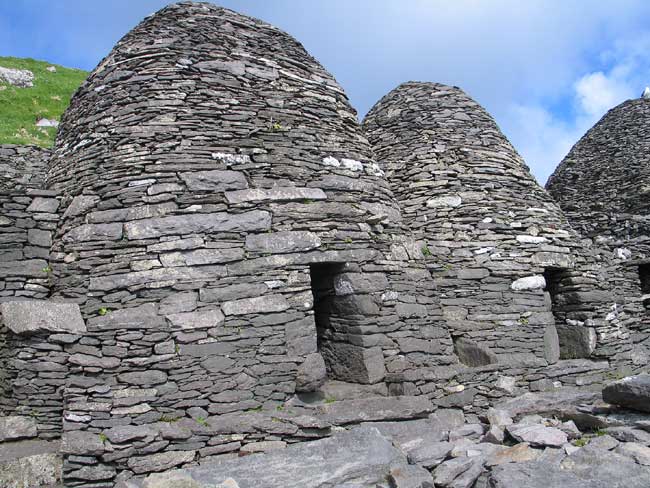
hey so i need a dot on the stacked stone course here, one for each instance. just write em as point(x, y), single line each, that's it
point(225, 242)
point(514, 280)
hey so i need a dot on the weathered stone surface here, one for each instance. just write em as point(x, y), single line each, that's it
point(275, 194)
point(263, 304)
point(255, 220)
point(638, 452)
point(472, 354)
point(430, 454)
point(196, 320)
point(283, 242)
point(585, 467)
point(518, 453)
point(21, 78)
point(160, 461)
point(94, 232)
point(312, 373)
point(36, 471)
point(214, 180)
point(151, 377)
point(537, 435)
point(631, 392)
point(35, 316)
point(122, 434)
point(360, 457)
point(17, 427)
point(375, 409)
point(82, 442)
point(459, 472)
point(529, 283)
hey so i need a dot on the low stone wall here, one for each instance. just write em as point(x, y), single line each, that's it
point(39, 336)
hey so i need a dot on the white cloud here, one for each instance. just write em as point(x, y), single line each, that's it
point(543, 136)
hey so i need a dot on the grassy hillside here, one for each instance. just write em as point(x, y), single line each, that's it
point(20, 108)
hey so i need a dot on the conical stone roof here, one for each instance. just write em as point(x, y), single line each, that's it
point(492, 232)
point(603, 184)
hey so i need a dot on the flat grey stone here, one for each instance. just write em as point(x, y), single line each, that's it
point(263, 304)
point(634, 450)
point(34, 471)
point(253, 221)
point(82, 442)
point(196, 320)
point(282, 242)
point(275, 194)
point(311, 373)
point(150, 377)
point(47, 205)
point(127, 433)
point(94, 232)
point(200, 257)
point(214, 180)
point(360, 458)
point(160, 461)
point(585, 467)
point(17, 427)
point(35, 316)
point(458, 472)
point(410, 476)
point(631, 392)
point(376, 409)
point(537, 435)
point(430, 454)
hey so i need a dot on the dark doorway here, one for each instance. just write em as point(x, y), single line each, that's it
point(644, 276)
point(575, 340)
point(322, 287)
point(339, 318)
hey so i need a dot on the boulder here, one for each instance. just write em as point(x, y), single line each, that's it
point(312, 373)
point(21, 78)
point(537, 435)
point(631, 392)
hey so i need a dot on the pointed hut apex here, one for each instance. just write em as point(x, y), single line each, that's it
point(646, 93)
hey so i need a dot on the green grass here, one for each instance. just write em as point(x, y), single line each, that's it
point(20, 108)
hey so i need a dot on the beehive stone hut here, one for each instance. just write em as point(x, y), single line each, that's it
point(516, 286)
point(211, 260)
point(228, 238)
point(603, 187)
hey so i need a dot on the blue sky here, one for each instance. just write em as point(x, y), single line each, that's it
point(547, 70)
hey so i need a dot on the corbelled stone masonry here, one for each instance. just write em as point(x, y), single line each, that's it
point(602, 187)
point(213, 175)
point(511, 274)
point(219, 248)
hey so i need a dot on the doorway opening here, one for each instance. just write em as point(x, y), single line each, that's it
point(575, 340)
point(644, 277)
point(340, 314)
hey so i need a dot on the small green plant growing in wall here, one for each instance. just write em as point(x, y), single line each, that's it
point(201, 421)
point(582, 442)
point(47, 269)
point(426, 251)
point(103, 438)
point(103, 311)
point(168, 419)
point(523, 320)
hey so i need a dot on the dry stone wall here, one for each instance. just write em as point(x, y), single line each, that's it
point(228, 237)
point(214, 209)
point(602, 187)
point(516, 285)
